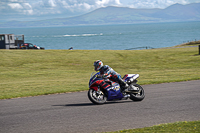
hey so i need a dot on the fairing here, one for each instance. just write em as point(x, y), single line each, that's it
point(113, 90)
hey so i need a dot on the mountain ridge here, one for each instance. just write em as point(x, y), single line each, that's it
point(119, 15)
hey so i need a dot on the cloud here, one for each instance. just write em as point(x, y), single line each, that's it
point(75, 7)
point(42, 9)
point(27, 8)
point(52, 3)
point(103, 3)
point(155, 3)
point(70, 6)
point(15, 6)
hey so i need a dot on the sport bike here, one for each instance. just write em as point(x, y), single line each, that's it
point(102, 90)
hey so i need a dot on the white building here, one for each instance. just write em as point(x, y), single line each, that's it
point(10, 41)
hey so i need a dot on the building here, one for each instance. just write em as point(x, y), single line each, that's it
point(10, 41)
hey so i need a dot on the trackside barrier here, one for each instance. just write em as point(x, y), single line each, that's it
point(146, 47)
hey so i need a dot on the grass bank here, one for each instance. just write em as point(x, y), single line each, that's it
point(192, 43)
point(178, 127)
point(39, 72)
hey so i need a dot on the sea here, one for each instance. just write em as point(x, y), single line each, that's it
point(110, 37)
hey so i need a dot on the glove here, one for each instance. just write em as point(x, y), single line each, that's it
point(105, 76)
point(99, 76)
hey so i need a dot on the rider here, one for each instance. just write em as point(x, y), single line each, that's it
point(108, 72)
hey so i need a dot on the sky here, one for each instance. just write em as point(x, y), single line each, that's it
point(30, 10)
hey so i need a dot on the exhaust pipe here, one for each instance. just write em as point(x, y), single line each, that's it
point(133, 78)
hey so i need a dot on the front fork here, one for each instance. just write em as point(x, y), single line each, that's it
point(99, 90)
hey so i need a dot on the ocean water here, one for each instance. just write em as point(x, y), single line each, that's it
point(110, 37)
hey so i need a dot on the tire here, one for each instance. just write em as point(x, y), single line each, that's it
point(96, 98)
point(139, 95)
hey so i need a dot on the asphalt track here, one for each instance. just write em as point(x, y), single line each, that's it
point(73, 112)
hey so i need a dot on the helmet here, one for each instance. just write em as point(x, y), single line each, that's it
point(97, 65)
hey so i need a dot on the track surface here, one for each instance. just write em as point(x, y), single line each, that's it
point(73, 112)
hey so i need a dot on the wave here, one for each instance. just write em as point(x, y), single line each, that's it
point(84, 35)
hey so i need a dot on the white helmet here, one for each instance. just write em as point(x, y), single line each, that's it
point(97, 65)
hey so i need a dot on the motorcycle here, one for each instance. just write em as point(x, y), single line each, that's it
point(102, 90)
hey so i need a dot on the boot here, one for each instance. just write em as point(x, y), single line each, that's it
point(123, 85)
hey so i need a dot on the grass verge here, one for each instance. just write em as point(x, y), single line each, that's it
point(178, 127)
point(39, 72)
point(192, 43)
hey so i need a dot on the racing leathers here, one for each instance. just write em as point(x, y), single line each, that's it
point(108, 72)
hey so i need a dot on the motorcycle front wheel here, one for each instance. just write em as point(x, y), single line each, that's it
point(96, 97)
point(137, 95)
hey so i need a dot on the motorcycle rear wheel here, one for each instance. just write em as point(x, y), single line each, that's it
point(139, 95)
point(96, 97)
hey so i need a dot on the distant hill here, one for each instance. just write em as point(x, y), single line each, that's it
point(119, 15)
point(178, 12)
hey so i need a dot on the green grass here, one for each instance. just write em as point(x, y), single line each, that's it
point(39, 72)
point(178, 127)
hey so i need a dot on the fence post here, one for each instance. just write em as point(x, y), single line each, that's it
point(199, 49)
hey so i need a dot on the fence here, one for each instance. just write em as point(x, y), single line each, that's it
point(146, 47)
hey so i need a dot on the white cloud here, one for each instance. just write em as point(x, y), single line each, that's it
point(73, 6)
point(87, 6)
point(107, 2)
point(27, 8)
point(15, 6)
point(52, 3)
point(15, 0)
point(68, 8)
point(155, 3)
